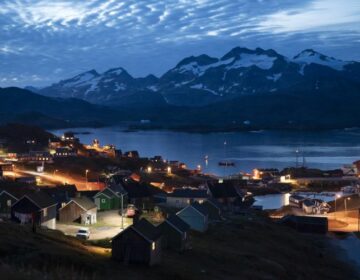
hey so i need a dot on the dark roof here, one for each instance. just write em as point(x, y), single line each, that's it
point(305, 220)
point(213, 203)
point(138, 190)
point(61, 193)
point(117, 189)
point(297, 197)
point(84, 202)
point(191, 193)
point(178, 223)
point(88, 194)
point(309, 202)
point(200, 208)
point(41, 199)
point(222, 190)
point(147, 230)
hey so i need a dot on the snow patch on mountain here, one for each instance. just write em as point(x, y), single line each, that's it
point(261, 61)
point(311, 57)
point(274, 77)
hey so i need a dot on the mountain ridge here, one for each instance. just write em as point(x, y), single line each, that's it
point(202, 80)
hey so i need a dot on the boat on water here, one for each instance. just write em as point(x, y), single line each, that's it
point(226, 163)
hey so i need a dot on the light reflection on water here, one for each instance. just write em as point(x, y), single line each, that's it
point(247, 150)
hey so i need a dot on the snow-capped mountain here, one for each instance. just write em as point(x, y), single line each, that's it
point(202, 80)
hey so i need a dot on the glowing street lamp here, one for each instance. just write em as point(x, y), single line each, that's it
point(86, 177)
point(349, 198)
point(169, 170)
point(149, 169)
point(336, 197)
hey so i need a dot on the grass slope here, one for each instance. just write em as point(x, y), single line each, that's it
point(240, 248)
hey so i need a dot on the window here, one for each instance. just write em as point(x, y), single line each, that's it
point(103, 200)
point(8, 203)
point(153, 246)
point(45, 212)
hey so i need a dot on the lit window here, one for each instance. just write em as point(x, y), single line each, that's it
point(45, 212)
point(8, 203)
point(103, 200)
point(153, 246)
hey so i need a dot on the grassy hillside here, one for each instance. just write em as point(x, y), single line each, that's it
point(240, 249)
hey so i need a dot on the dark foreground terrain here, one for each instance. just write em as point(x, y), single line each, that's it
point(241, 248)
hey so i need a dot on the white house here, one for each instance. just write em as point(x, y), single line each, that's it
point(181, 198)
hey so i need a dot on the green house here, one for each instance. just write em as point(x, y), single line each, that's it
point(6, 201)
point(111, 198)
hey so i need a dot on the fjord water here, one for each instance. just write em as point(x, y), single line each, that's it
point(248, 150)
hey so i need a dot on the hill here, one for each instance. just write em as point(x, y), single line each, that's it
point(238, 249)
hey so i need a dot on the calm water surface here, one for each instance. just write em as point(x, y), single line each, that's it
point(248, 150)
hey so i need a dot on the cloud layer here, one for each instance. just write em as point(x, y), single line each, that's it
point(43, 41)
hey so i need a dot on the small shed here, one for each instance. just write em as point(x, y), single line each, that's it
point(196, 216)
point(139, 243)
point(213, 208)
point(175, 233)
point(79, 210)
point(112, 197)
point(38, 208)
point(306, 224)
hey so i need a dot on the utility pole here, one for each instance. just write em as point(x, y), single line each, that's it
point(122, 211)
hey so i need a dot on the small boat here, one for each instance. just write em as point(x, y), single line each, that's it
point(226, 163)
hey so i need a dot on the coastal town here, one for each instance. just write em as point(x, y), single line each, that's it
point(142, 207)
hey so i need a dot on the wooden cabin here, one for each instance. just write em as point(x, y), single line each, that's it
point(80, 210)
point(139, 243)
point(175, 233)
point(196, 216)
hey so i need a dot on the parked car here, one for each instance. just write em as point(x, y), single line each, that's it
point(83, 233)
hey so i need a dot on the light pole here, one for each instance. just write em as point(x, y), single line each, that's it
point(122, 211)
point(86, 178)
point(336, 196)
point(349, 198)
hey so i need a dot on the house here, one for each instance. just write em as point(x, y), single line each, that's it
point(306, 224)
point(196, 216)
point(61, 194)
point(139, 243)
point(181, 198)
point(78, 210)
point(213, 208)
point(112, 197)
point(175, 233)
point(296, 200)
point(30, 180)
point(7, 200)
point(132, 154)
point(37, 207)
point(65, 152)
point(140, 194)
point(226, 193)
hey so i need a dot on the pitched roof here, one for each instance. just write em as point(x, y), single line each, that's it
point(147, 229)
point(200, 208)
point(2, 192)
point(187, 192)
point(222, 190)
point(40, 199)
point(212, 202)
point(177, 223)
point(83, 202)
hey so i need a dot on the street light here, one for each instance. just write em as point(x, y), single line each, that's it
point(149, 169)
point(349, 198)
point(336, 196)
point(86, 177)
point(169, 170)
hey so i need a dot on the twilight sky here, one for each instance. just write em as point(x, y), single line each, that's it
point(43, 41)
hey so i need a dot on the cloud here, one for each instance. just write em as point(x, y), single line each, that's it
point(150, 36)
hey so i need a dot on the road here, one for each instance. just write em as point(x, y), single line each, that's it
point(57, 178)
